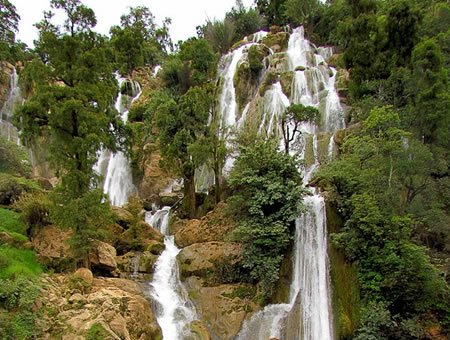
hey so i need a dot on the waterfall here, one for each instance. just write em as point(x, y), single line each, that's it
point(174, 310)
point(7, 129)
point(115, 168)
point(307, 315)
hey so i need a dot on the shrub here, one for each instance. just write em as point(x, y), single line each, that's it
point(17, 318)
point(13, 159)
point(35, 209)
point(12, 187)
point(96, 332)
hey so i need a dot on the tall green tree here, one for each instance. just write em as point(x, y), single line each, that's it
point(9, 21)
point(139, 41)
point(72, 107)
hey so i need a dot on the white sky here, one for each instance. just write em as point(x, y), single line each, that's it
point(185, 14)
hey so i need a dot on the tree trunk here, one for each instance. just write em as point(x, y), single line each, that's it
point(189, 196)
point(217, 187)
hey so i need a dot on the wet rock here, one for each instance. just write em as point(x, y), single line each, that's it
point(224, 307)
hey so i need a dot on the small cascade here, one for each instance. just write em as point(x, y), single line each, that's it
point(174, 310)
point(273, 105)
point(115, 168)
point(7, 129)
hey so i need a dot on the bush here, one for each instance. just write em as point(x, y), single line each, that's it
point(35, 209)
point(12, 187)
point(96, 332)
point(13, 159)
point(17, 318)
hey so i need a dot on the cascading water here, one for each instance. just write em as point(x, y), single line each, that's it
point(116, 169)
point(307, 315)
point(174, 311)
point(7, 129)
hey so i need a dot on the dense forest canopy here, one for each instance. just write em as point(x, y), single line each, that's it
point(390, 183)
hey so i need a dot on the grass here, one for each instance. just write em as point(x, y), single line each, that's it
point(10, 222)
point(14, 262)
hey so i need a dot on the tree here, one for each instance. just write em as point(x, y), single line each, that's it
point(9, 21)
point(181, 125)
point(272, 10)
point(291, 119)
point(139, 41)
point(266, 199)
point(72, 107)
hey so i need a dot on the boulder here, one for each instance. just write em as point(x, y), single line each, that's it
point(123, 217)
point(215, 226)
point(52, 247)
point(85, 275)
point(224, 307)
point(202, 259)
point(104, 257)
point(168, 198)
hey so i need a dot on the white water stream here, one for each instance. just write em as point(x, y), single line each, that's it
point(309, 297)
point(174, 310)
point(7, 129)
point(115, 168)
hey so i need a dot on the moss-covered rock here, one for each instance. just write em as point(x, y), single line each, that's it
point(344, 282)
point(286, 80)
point(300, 68)
point(269, 79)
point(223, 307)
point(276, 41)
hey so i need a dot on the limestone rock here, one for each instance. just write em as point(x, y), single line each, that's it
point(104, 256)
point(224, 307)
point(114, 306)
point(201, 259)
point(51, 246)
point(215, 226)
point(84, 274)
point(168, 198)
point(200, 331)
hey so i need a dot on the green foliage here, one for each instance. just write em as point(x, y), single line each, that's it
point(384, 184)
point(96, 332)
point(272, 10)
point(87, 216)
point(34, 208)
point(10, 223)
point(17, 317)
point(220, 34)
point(14, 159)
point(71, 106)
point(266, 199)
point(293, 116)
point(15, 262)
point(139, 41)
point(12, 187)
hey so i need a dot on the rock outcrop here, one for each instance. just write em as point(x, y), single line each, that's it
point(223, 307)
point(74, 307)
point(215, 226)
